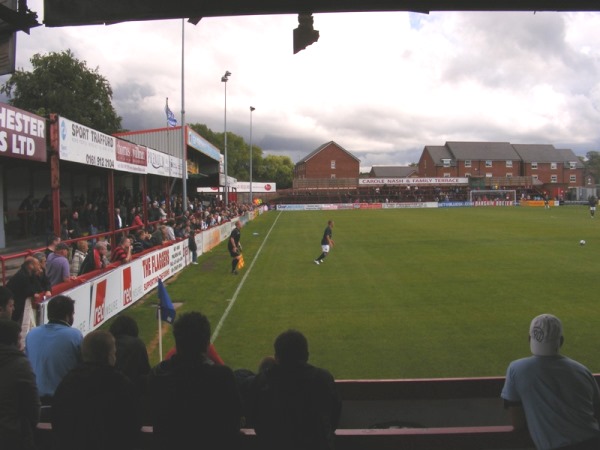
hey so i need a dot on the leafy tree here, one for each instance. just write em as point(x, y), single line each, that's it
point(60, 83)
point(279, 169)
point(592, 163)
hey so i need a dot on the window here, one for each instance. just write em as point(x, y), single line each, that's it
point(553, 165)
point(509, 175)
point(446, 162)
point(446, 175)
point(488, 175)
point(533, 165)
point(572, 165)
point(509, 163)
point(333, 176)
point(554, 179)
point(333, 163)
point(534, 177)
point(572, 178)
point(467, 174)
point(467, 163)
point(488, 163)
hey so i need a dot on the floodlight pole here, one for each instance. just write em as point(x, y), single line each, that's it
point(252, 108)
point(225, 79)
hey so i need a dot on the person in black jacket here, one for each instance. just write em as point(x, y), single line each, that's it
point(294, 405)
point(194, 403)
point(96, 406)
point(24, 284)
point(18, 392)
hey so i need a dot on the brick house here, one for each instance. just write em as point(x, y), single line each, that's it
point(393, 172)
point(329, 161)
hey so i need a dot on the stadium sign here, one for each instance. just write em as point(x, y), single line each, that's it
point(22, 134)
point(412, 181)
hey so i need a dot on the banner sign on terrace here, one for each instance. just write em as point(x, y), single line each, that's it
point(80, 144)
point(22, 134)
point(130, 157)
point(362, 182)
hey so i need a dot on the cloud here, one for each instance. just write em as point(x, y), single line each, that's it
point(382, 85)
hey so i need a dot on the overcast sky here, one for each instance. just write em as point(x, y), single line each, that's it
point(380, 85)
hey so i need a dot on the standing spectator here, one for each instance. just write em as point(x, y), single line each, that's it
point(122, 252)
point(78, 257)
point(555, 397)
point(24, 284)
point(54, 348)
point(294, 405)
point(118, 219)
point(95, 405)
point(74, 226)
point(132, 356)
point(136, 218)
point(194, 403)
point(57, 265)
point(193, 247)
point(162, 213)
point(7, 303)
point(96, 259)
point(51, 243)
point(19, 401)
point(154, 213)
point(91, 218)
point(41, 275)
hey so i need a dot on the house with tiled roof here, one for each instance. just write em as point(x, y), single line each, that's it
point(329, 160)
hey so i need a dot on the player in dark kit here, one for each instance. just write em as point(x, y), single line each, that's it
point(326, 242)
point(234, 246)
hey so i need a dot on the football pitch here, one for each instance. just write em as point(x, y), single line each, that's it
point(410, 293)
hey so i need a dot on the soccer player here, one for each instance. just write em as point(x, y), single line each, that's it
point(326, 242)
point(592, 201)
point(235, 247)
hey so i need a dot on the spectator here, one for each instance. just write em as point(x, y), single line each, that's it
point(95, 405)
point(78, 257)
point(96, 259)
point(74, 227)
point(122, 252)
point(57, 265)
point(136, 218)
point(24, 284)
point(118, 219)
point(162, 213)
point(193, 247)
point(54, 348)
point(90, 216)
point(20, 404)
point(160, 235)
point(555, 397)
point(154, 213)
point(170, 231)
point(7, 303)
point(51, 244)
point(42, 276)
point(132, 356)
point(294, 405)
point(194, 403)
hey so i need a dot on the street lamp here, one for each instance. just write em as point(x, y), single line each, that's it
point(225, 79)
point(252, 108)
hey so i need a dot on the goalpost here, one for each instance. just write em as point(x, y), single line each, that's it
point(496, 195)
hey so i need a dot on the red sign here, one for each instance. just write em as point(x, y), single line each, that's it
point(22, 134)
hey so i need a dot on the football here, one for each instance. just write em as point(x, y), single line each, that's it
point(582, 242)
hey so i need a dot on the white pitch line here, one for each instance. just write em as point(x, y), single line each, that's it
point(239, 288)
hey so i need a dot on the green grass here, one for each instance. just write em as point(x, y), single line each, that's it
point(420, 293)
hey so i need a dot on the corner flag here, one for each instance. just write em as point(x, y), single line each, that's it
point(167, 310)
point(171, 120)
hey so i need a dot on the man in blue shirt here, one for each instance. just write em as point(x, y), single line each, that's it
point(556, 397)
point(54, 349)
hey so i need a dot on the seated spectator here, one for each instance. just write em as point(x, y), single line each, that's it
point(95, 405)
point(122, 252)
point(294, 405)
point(7, 303)
point(78, 257)
point(24, 284)
point(57, 265)
point(51, 244)
point(54, 349)
point(96, 259)
point(20, 404)
point(132, 356)
point(170, 230)
point(160, 235)
point(194, 403)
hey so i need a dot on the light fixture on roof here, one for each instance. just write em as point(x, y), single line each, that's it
point(305, 34)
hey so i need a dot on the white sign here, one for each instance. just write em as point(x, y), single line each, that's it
point(158, 163)
point(80, 144)
point(411, 181)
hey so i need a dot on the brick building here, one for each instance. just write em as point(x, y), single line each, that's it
point(330, 161)
point(553, 170)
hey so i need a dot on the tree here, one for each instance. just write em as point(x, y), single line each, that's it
point(62, 84)
point(592, 163)
point(279, 169)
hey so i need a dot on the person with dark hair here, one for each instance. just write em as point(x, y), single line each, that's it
point(132, 356)
point(54, 348)
point(292, 404)
point(24, 284)
point(51, 243)
point(7, 303)
point(326, 243)
point(95, 405)
point(122, 252)
point(194, 403)
point(20, 404)
point(556, 398)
